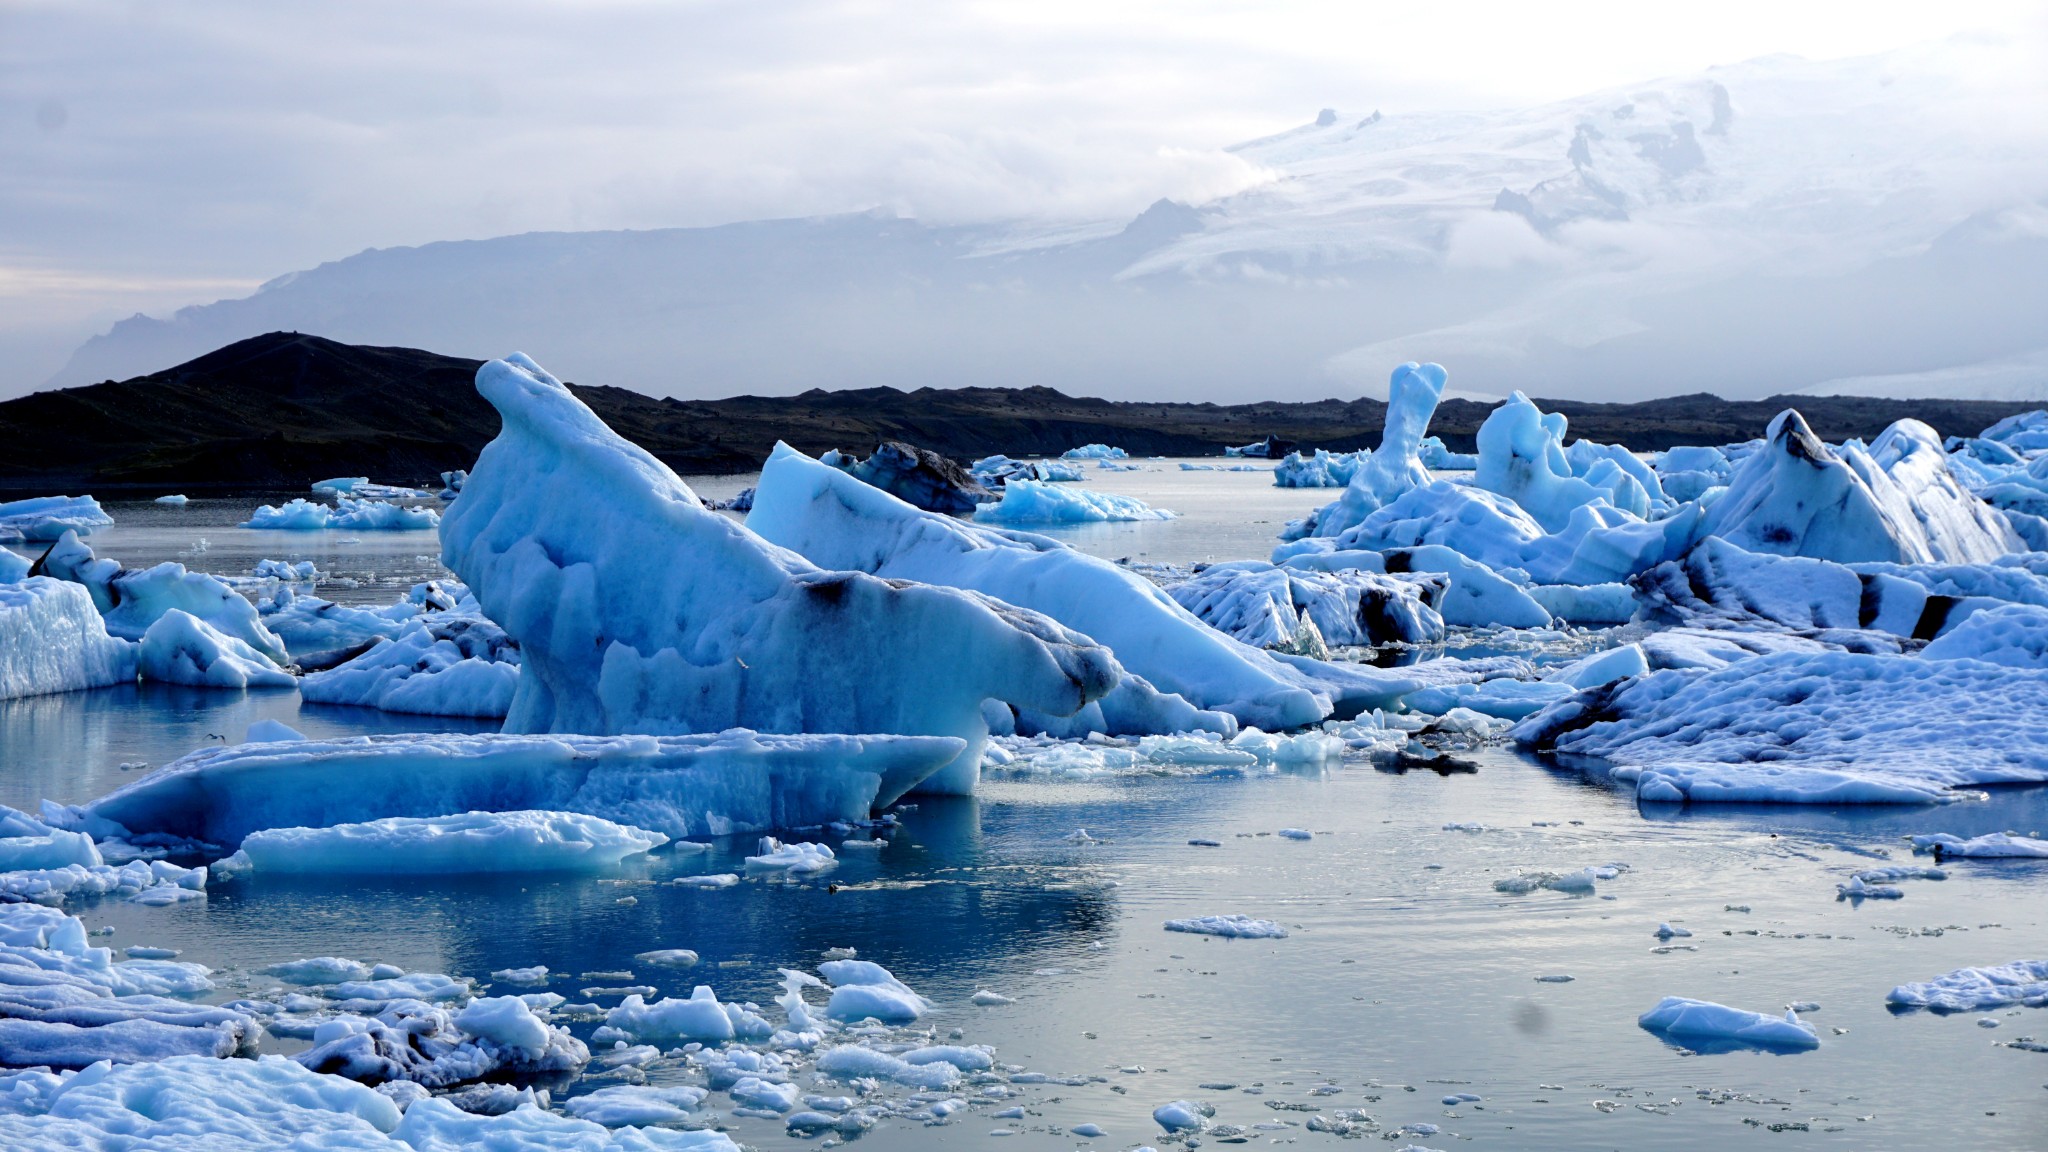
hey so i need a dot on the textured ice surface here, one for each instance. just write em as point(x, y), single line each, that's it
point(180, 648)
point(701, 1018)
point(441, 664)
point(44, 518)
point(1696, 1020)
point(471, 842)
point(714, 784)
point(1476, 595)
point(1975, 989)
point(1811, 727)
point(637, 609)
point(1522, 457)
point(1392, 469)
point(1237, 926)
point(52, 639)
point(1269, 607)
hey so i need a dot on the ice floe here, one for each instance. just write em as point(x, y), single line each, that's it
point(1990, 845)
point(472, 842)
point(302, 515)
point(1975, 989)
point(1039, 502)
point(1695, 1021)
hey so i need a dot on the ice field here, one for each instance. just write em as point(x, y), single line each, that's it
point(1552, 798)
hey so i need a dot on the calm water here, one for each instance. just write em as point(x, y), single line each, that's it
point(1405, 969)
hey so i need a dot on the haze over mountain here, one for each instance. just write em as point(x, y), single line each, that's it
point(1876, 225)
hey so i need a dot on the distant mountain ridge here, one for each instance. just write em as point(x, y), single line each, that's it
point(284, 409)
point(1771, 226)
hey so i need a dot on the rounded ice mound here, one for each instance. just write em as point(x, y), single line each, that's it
point(1704, 1020)
point(471, 842)
point(862, 988)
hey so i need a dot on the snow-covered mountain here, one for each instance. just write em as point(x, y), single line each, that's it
point(1768, 227)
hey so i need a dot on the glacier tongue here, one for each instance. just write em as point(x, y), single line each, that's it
point(639, 610)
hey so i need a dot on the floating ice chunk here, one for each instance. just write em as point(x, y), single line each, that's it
point(180, 648)
point(46, 518)
point(1464, 826)
point(853, 1062)
point(1578, 883)
point(285, 570)
point(918, 476)
point(442, 665)
point(673, 1021)
point(175, 500)
point(387, 983)
point(1457, 1098)
point(1522, 457)
point(2015, 635)
point(1088, 1131)
point(507, 1022)
point(799, 859)
point(301, 515)
point(538, 974)
point(1037, 502)
point(1238, 926)
point(1810, 727)
point(1269, 607)
point(633, 1104)
point(996, 471)
point(714, 784)
point(53, 640)
point(668, 958)
point(271, 732)
point(1859, 889)
point(754, 1092)
point(713, 880)
point(340, 485)
point(1475, 595)
point(959, 1056)
point(43, 846)
point(1182, 1116)
point(319, 970)
point(472, 842)
point(863, 989)
point(1602, 668)
point(638, 609)
point(1322, 470)
point(987, 999)
point(1976, 989)
point(1094, 452)
point(1296, 833)
point(1991, 844)
point(1586, 604)
point(1666, 932)
point(1702, 1019)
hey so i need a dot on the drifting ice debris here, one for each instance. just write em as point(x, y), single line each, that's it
point(472, 842)
point(1991, 844)
point(863, 989)
point(443, 664)
point(1859, 889)
point(1697, 1020)
point(796, 859)
point(52, 639)
point(997, 471)
point(1975, 989)
point(1898, 501)
point(174, 500)
point(1094, 452)
point(1038, 502)
point(45, 518)
point(132, 600)
point(917, 476)
point(636, 609)
point(1666, 932)
point(820, 514)
point(715, 784)
point(1322, 470)
point(1236, 926)
point(1474, 594)
point(302, 515)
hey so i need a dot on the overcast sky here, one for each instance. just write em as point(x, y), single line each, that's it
point(160, 152)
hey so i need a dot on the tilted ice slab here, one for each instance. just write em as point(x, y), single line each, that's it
point(836, 522)
point(441, 664)
point(1038, 502)
point(271, 1102)
point(639, 610)
point(1976, 989)
point(470, 842)
point(1811, 727)
point(1696, 1020)
point(1898, 501)
point(713, 784)
point(52, 639)
point(43, 518)
point(302, 515)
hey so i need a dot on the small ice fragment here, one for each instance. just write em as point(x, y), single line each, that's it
point(1181, 1115)
point(988, 999)
point(1558, 978)
point(1087, 1131)
point(1457, 1098)
point(1666, 932)
point(538, 974)
point(668, 957)
point(1231, 926)
point(1200, 843)
point(1296, 833)
point(714, 880)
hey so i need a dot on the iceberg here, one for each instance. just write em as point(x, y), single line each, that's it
point(915, 475)
point(1232, 926)
point(47, 518)
point(471, 842)
point(637, 609)
point(1392, 469)
point(133, 600)
point(440, 1046)
point(1522, 457)
point(319, 633)
point(673, 1022)
point(180, 648)
point(1994, 845)
point(1810, 727)
point(1038, 502)
point(1897, 501)
point(1094, 452)
point(52, 639)
point(704, 785)
point(1978, 989)
point(442, 664)
point(816, 512)
point(997, 471)
point(1719, 584)
point(862, 989)
point(1474, 594)
point(302, 515)
point(1678, 1016)
point(1322, 470)
point(1300, 610)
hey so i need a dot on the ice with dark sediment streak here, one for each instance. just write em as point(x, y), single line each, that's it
point(918, 476)
point(639, 610)
point(836, 522)
point(711, 784)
